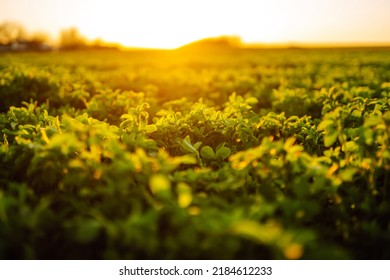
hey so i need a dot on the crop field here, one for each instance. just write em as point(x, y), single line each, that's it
point(230, 154)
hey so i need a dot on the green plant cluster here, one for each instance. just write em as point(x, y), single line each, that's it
point(248, 154)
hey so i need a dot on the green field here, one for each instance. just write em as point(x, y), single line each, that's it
point(230, 154)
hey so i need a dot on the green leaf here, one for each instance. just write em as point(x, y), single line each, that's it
point(223, 153)
point(325, 124)
point(150, 128)
point(251, 100)
point(127, 116)
point(9, 132)
point(88, 231)
point(207, 152)
point(372, 121)
point(263, 234)
point(347, 174)
point(351, 146)
point(184, 198)
point(160, 185)
point(187, 146)
point(197, 145)
point(330, 137)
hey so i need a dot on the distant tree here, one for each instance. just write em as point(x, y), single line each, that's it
point(38, 40)
point(98, 43)
point(214, 43)
point(12, 32)
point(72, 39)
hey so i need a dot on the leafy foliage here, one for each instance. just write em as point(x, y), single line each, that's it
point(245, 154)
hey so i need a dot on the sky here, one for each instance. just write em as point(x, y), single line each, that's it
point(172, 23)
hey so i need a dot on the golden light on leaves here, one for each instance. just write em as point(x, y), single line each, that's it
point(265, 234)
point(159, 184)
point(184, 195)
point(293, 251)
point(194, 210)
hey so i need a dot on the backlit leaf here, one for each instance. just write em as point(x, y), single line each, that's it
point(223, 153)
point(207, 152)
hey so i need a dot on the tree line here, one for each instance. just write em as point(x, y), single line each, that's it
point(14, 37)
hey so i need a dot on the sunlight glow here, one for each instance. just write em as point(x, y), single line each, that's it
point(171, 23)
point(159, 24)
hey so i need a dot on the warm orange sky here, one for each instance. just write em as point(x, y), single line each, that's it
point(171, 23)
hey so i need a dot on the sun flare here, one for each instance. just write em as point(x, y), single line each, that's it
point(165, 24)
point(172, 23)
